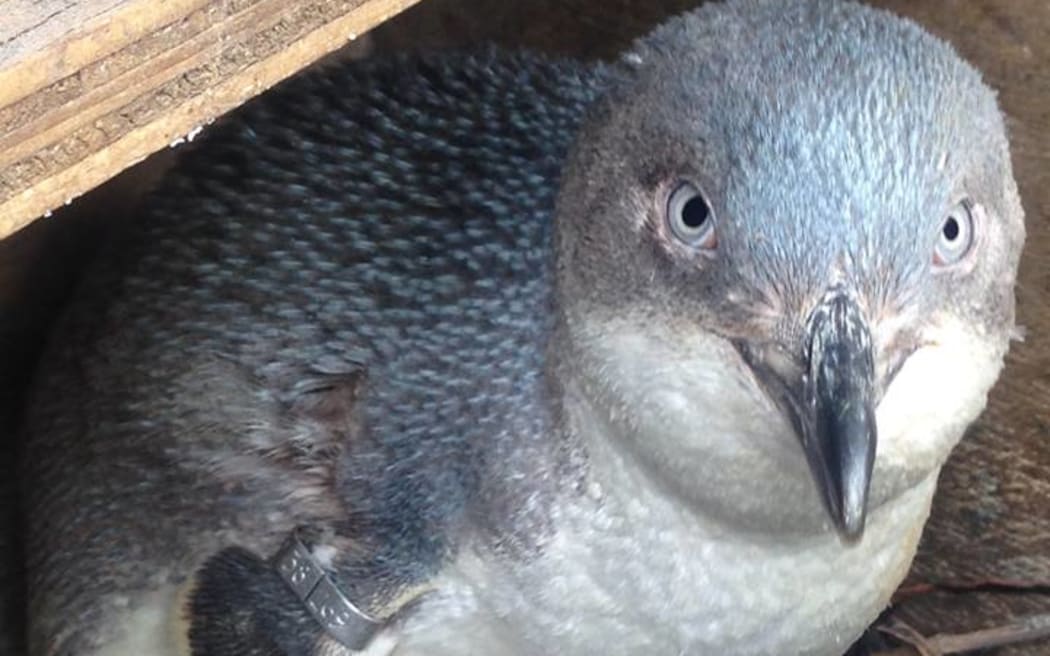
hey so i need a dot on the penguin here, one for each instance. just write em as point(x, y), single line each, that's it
point(497, 353)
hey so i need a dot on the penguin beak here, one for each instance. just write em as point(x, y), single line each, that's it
point(830, 399)
point(838, 425)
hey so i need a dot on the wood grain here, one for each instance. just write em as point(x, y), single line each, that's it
point(89, 88)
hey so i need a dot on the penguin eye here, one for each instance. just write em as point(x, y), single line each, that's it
point(690, 218)
point(956, 236)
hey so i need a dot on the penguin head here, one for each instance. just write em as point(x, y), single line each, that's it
point(787, 242)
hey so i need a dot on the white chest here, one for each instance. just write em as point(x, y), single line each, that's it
point(708, 536)
point(648, 579)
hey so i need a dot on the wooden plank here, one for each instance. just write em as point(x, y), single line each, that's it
point(90, 87)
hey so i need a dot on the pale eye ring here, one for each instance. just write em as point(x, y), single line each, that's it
point(956, 237)
point(690, 217)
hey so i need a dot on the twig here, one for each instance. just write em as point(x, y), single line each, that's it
point(987, 585)
point(915, 641)
point(1025, 629)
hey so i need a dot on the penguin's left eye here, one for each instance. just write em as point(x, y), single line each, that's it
point(690, 218)
point(956, 236)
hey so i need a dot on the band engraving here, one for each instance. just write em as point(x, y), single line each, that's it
point(327, 604)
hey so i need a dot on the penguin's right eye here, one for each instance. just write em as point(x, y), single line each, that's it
point(690, 219)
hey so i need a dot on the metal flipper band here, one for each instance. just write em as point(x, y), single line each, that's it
point(350, 626)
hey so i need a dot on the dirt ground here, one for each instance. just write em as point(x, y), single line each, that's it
point(991, 521)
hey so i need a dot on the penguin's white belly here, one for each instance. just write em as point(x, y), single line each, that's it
point(665, 590)
point(632, 590)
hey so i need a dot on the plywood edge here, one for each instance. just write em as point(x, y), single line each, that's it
point(116, 121)
point(89, 31)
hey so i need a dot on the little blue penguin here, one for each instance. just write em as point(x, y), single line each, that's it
point(494, 353)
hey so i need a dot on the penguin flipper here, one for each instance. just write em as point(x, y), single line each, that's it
point(239, 604)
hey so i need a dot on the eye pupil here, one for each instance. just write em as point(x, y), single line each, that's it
point(690, 219)
point(957, 235)
point(951, 229)
point(695, 213)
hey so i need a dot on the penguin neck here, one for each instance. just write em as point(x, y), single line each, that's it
point(613, 481)
point(627, 567)
point(619, 564)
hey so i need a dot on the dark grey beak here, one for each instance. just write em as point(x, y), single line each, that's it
point(838, 433)
point(830, 399)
